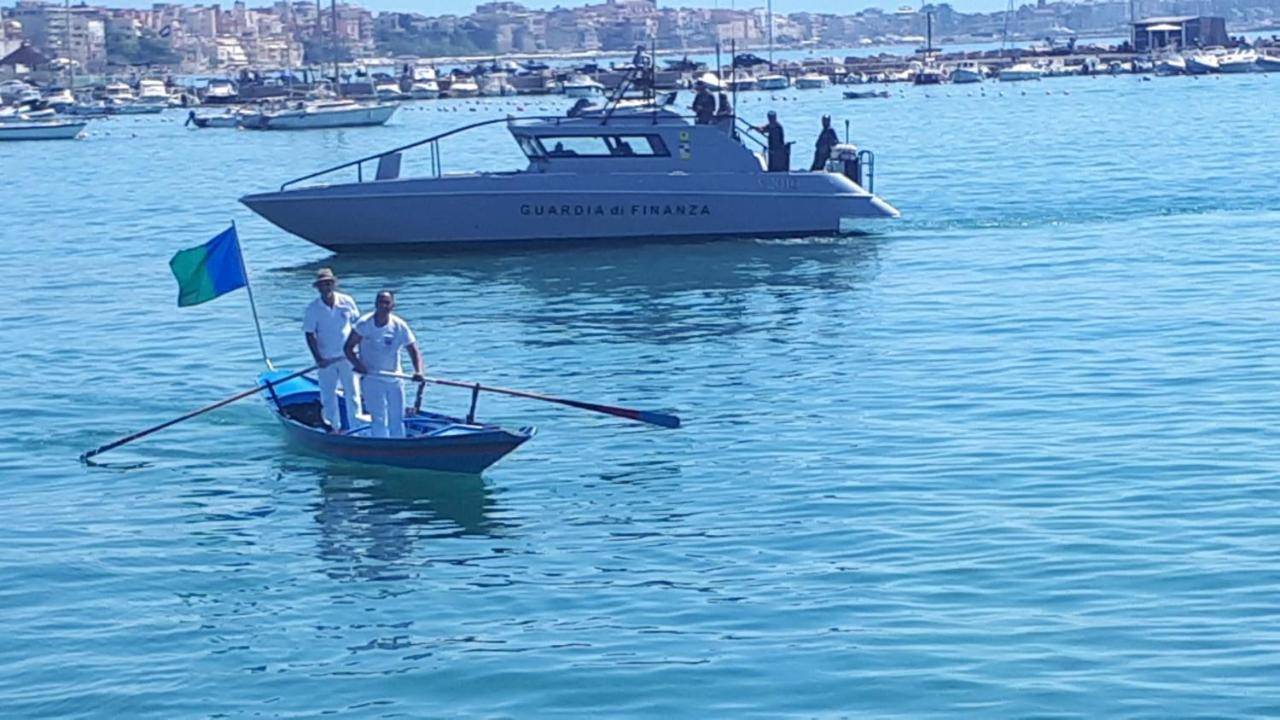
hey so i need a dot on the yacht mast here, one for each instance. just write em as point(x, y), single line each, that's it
point(71, 61)
point(333, 47)
point(769, 12)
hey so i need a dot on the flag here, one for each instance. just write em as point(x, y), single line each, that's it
point(209, 270)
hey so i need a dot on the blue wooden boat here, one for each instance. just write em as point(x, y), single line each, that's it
point(434, 442)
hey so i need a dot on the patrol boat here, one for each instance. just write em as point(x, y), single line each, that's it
point(628, 170)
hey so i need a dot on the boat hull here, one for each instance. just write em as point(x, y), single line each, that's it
point(436, 443)
point(962, 76)
point(41, 131)
point(535, 208)
point(303, 120)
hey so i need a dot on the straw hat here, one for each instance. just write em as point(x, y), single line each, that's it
point(325, 275)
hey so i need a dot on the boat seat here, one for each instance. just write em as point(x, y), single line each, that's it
point(388, 167)
point(307, 413)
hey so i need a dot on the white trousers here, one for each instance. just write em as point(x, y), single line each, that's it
point(339, 373)
point(385, 398)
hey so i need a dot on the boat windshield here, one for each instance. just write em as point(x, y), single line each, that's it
point(589, 146)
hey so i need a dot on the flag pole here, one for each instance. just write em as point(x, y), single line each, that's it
point(252, 305)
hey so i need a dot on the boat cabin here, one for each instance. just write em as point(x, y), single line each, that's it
point(655, 140)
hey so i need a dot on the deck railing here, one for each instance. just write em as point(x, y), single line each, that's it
point(432, 141)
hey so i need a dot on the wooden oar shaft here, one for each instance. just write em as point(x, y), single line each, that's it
point(648, 416)
point(188, 416)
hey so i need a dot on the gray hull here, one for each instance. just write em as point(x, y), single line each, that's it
point(520, 207)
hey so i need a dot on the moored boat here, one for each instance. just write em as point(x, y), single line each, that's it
point(1020, 72)
point(1203, 63)
point(54, 130)
point(433, 442)
point(812, 81)
point(773, 81)
point(1238, 62)
point(582, 86)
point(966, 72)
point(320, 114)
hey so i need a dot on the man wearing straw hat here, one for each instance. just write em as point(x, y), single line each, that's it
point(327, 323)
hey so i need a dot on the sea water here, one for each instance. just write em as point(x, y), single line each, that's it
point(1012, 455)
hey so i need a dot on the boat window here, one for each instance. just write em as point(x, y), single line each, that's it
point(603, 146)
point(529, 146)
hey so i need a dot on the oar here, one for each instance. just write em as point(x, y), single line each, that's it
point(238, 396)
point(646, 416)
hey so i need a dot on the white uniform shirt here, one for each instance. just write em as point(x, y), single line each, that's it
point(331, 325)
point(380, 346)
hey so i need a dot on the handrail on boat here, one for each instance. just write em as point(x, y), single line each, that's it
point(358, 164)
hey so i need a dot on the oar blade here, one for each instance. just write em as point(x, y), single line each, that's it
point(657, 418)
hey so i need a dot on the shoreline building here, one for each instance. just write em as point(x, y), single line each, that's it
point(1182, 32)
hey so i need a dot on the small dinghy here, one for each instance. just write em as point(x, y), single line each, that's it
point(433, 442)
point(865, 94)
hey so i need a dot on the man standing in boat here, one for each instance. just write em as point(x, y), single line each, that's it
point(704, 105)
point(327, 323)
point(779, 153)
point(374, 349)
point(827, 140)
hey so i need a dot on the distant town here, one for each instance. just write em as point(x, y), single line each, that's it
point(224, 38)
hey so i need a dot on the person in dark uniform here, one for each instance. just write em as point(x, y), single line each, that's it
point(724, 112)
point(704, 105)
point(827, 139)
point(778, 153)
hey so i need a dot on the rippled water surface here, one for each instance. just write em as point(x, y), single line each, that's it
point(1012, 456)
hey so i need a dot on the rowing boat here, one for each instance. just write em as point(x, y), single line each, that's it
point(434, 442)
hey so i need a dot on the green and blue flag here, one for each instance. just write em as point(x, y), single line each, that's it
point(209, 270)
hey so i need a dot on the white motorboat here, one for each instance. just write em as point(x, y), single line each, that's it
point(153, 92)
point(812, 81)
point(1238, 62)
point(26, 113)
point(319, 114)
point(1171, 65)
point(463, 86)
point(228, 118)
point(604, 174)
point(424, 90)
point(49, 130)
point(740, 81)
point(582, 86)
point(59, 98)
point(424, 85)
point(496, 85)
point(1203, 63)
point(967, 72)
point(16, 91)
point(117, 106)
point(773, 81)
point(388, 90)
point(118, 92)
point(1020, 72)
point(221, 92)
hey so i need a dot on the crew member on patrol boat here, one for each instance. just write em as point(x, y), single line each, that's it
point(779, 153)
point(704, 105)
point(327, 323)
point(374, 349)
